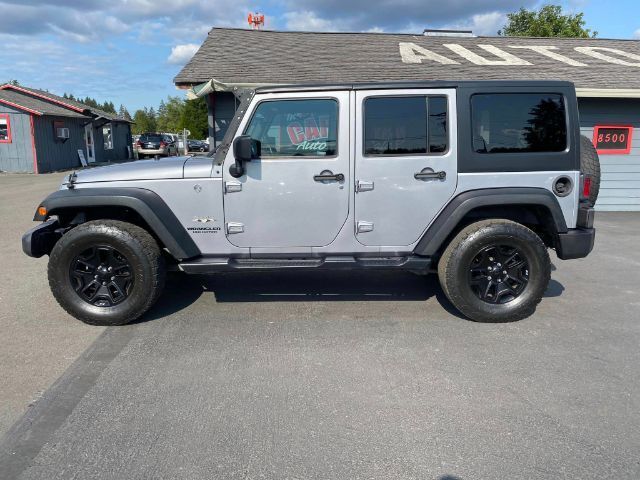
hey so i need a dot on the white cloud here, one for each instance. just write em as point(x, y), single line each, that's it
point(181, 54)
point(481, 24)
point(94, 20)
point(307, 21)
point(488, 23)
point(636, 34)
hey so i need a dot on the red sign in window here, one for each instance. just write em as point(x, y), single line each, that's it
point(612, 140)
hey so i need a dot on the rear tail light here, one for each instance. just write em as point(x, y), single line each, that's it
point(163, 144)
point(139, 144)
point(585, 190)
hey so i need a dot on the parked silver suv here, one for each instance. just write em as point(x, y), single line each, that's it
point(472, 180)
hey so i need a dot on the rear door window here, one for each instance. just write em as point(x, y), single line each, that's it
point(411, 125)
point(518, 122)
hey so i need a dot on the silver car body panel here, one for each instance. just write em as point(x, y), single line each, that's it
point(568, 204)
point(139, 170)
point(198, 167)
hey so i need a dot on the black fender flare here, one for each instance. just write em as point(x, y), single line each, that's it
point(459, 206)
point(147, 204)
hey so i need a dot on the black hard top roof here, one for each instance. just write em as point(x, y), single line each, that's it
point(319, 87)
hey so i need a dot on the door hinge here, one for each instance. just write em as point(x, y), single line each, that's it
point(234, 227)
point(363, 186)
point(363, 227)
point(230, 187)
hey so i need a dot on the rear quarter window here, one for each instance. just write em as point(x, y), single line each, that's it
point(518, 122)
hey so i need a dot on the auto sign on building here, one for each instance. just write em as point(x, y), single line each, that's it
point(606, 74)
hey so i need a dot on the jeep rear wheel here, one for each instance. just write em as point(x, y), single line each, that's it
point(495, 271)
point(106, 272)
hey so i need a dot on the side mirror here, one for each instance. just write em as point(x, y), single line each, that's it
point(245, 149)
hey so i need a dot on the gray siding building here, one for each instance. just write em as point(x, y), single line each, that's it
point(606, 74)
point(41, 132)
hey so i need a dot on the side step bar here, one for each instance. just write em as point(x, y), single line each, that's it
point(206, 265)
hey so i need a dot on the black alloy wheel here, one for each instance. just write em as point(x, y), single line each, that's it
point(101, 276)
point(106, 272)
point(495, 270)
point(499, 273)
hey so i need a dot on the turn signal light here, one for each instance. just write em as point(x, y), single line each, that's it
point(42, 211)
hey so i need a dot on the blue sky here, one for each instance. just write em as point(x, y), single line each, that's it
point(128, 51)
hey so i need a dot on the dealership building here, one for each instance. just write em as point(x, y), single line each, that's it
point(606, 74)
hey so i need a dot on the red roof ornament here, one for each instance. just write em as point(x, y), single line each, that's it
point(256, 20)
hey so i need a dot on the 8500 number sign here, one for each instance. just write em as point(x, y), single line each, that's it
point(612, 140)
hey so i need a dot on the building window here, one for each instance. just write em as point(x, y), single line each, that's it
point(300, 128)
point(107, 135)
point(5, 129)
point(518, 123)
point(612, 140)
point(411, 125)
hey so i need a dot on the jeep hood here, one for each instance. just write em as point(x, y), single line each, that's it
point(164, 168)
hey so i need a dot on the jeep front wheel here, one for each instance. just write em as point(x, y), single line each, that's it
point(495, 271)
point(106, 272)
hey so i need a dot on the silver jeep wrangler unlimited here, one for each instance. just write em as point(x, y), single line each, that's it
point(472, 180)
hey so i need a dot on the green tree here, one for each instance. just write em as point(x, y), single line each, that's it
point(170, 114)
point(144, 121)
point(108, 107)
point(124, 113)
point(162, 116)
point(549, 21)
point(90, 102)
point(194, 118)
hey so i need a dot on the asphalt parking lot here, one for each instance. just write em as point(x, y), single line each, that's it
point(321, 375)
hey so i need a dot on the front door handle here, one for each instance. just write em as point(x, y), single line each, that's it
point(328, 175)
point(428, 174)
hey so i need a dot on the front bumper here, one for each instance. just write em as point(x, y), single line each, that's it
point(40, 239)
point(578, 242)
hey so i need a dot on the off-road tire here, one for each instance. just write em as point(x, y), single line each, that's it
point(590, 165)
point(456, 260)
point(140, 249)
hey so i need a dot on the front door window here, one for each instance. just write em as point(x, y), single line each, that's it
point(296, 128)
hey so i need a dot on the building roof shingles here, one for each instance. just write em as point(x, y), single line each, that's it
point(272, 57)
point(23, 98)
point(37, 104)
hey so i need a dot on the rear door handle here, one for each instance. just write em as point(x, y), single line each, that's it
point(328, 175)
point(428, 174)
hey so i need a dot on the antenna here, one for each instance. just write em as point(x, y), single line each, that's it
point(256, 20)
